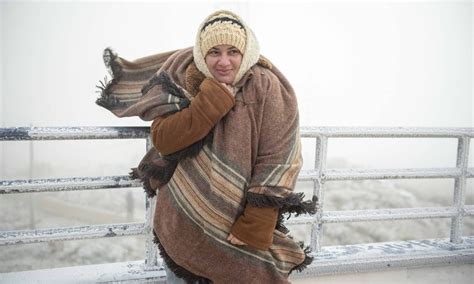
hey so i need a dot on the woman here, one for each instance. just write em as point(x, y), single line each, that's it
point(226, 155)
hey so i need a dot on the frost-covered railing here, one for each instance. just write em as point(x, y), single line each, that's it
point(328, 260)
point(401, 254)
point(149, 268)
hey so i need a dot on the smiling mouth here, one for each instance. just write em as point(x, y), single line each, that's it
point(223, 72)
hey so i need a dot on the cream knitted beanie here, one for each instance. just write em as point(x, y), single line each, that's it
point(223, 28)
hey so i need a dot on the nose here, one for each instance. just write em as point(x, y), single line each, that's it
point(224, 60)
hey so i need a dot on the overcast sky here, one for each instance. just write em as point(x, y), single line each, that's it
point(356, 63)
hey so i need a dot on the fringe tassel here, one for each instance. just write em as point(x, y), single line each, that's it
point(168, 86)
point(150, 192)
point(280, 226)
point(292, 204)
point(110, 61)
point(308, 259)
point(181, 272)
point(133, 174)
point(106, 99)
point(301, 207)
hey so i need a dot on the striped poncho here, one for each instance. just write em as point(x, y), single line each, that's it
point(252, 156)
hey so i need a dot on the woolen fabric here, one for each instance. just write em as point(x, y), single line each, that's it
point(250, 158)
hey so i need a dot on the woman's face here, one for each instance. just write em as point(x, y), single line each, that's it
point(224, 62)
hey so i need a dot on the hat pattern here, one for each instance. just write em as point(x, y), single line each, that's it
point(222, 30)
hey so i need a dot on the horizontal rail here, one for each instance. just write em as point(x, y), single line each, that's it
point(470, 172)
point(468, 210)
point(387, 132)
point(118, 272)
point(87, 183)
point(66, 184)
point(70, 233)
point(392, 214)
point(91, 132)
point(389, 255)
point(388, 214)
point(110, 230)
point(364, 174)
point(72, 133)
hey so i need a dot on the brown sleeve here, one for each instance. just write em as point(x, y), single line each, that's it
point(255, 226)
point(181, 129)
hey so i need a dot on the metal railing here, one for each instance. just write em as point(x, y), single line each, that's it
point(321, 174)
point(86, 183)
point(458, 249)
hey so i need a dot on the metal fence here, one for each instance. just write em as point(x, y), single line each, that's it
point(336, 259)
point(86, 183)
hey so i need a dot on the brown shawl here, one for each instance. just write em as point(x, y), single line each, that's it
point(251, 157)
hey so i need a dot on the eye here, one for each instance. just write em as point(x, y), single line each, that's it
point(213, 52)
point(234, 52)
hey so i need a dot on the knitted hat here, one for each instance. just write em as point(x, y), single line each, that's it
point(223, 28)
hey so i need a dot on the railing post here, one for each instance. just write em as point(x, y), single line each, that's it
point(460, 189)
point(31, 200)
point(318, 184)
point(151, 260)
